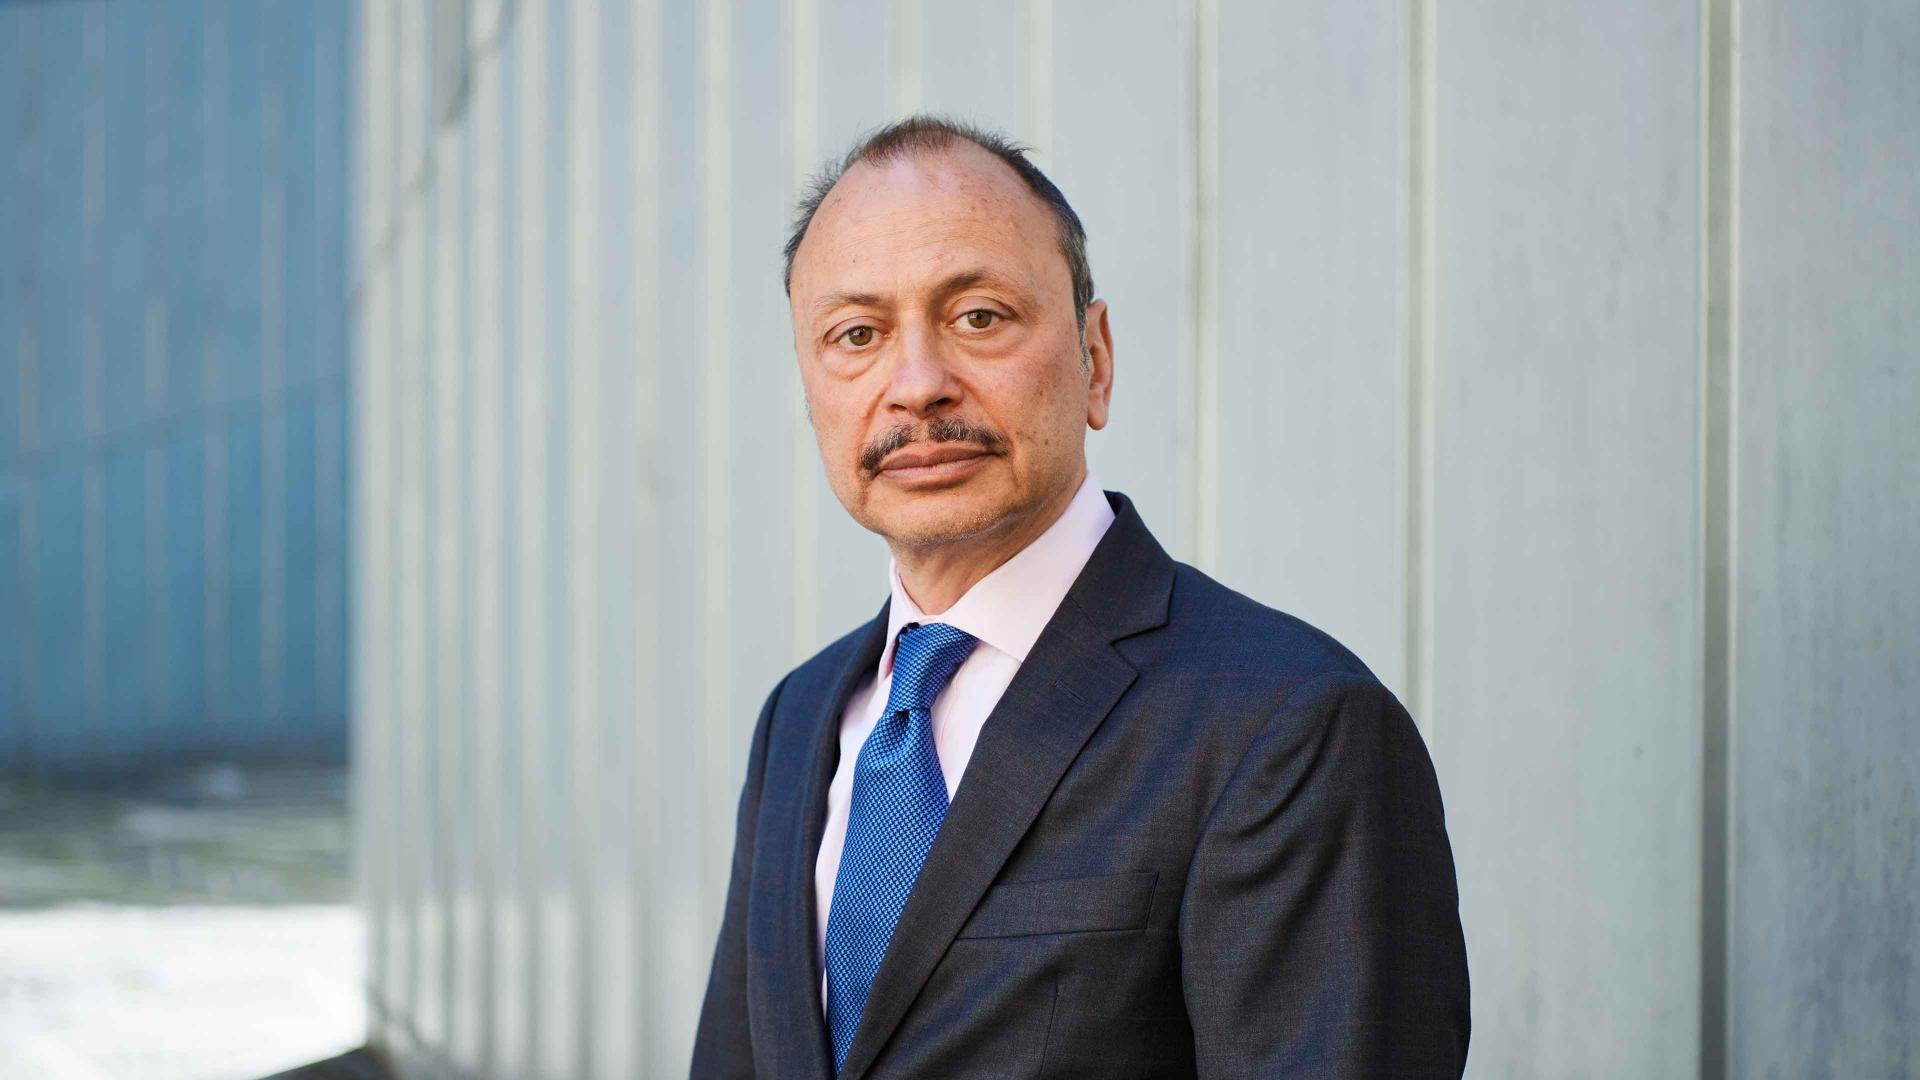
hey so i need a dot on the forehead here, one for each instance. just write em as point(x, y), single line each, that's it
point(888, 225)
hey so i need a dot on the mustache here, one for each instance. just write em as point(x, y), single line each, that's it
point(940, 429)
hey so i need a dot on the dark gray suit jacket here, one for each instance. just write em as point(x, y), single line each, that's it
point(1196, 838)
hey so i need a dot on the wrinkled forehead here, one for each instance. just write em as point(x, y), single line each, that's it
point(892, 226)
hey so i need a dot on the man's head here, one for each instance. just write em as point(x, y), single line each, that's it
point(951, 350)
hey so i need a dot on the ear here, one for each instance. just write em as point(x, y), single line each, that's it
point(1099, 341)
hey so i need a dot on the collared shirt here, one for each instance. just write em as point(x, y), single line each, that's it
point(1006, 610)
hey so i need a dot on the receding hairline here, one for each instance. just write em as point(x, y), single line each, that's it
point(954, 146)
point(965, 184)
point(922, 134)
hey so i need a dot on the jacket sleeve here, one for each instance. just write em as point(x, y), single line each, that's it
point(1320, 930)
point(723, 1044)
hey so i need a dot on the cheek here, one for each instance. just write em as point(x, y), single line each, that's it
point(1051, 403)
point(832, 427)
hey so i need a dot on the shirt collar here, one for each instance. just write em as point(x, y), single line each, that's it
point(1009, 607)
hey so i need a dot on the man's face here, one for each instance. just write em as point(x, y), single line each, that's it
point(934, 324)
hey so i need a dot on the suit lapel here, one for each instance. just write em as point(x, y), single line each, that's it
point(798, 1006)
point(1069, 683)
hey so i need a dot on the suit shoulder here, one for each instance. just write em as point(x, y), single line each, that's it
point(1215, 630)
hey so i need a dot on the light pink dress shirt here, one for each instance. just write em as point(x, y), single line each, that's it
point(1006, 610)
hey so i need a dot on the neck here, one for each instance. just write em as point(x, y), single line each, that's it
point(937, 576)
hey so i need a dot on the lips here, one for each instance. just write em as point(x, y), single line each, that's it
point(920, 457)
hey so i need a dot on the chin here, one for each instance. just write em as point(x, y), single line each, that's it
point(932, 518)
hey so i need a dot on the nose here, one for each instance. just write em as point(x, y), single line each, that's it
point(923, 384)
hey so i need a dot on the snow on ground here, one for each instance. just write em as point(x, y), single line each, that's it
point(115, 992)
point(189, 925)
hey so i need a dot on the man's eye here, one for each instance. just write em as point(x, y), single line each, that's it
point(981, 318)
point(859, 336)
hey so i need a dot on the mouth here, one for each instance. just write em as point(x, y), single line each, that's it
point(923, 466)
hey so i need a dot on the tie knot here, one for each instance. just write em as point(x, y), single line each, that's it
point(923, 661)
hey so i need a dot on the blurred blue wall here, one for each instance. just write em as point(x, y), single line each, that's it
point(173, 233)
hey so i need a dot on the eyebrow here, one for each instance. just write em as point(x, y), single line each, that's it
point(965, 279)
point(842, 299)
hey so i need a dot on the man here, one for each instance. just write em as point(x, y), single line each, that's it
point(1064, 807)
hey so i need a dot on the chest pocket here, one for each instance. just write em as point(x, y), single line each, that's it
point(1064, 906)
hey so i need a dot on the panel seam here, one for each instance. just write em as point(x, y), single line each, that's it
point(1718, 416)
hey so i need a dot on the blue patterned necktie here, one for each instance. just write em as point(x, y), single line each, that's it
point(899, 801)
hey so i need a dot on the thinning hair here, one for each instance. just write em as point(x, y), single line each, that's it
point(926, 133)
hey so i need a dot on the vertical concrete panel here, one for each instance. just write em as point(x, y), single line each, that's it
point(747, 298)
point(644, 523)
point(152, 288)
point(413, 98)
point(14, 608)
point(800, 70)
point(339, 148)
point(413, 677)
point(758, 399)
point(274, 45)
point(24, 345)
point(246, 77)
point(288, 502)
point(124, 727)
point(377, 179)
point(853, 97)
point(298, 656)
point(299, 651)
point(1312, 294)
point(92, 243)
point(240, 707)
point(680, 478)
point(487, 653)
point(15, 196)
point(298, 38)
point(190, 328)
point(58, 705)
point(376, 723)
point(690, 500)
point(371, 628)
point(616, 805)
point(233, 373)
point(973, 63)
point(333, 432)
point(181, 690)
point(430, 216)
point(536, 379)
point(1122, 129)
point(513, 953)
point(578, 182)
point(1565, 617)
point(452, 453)
point(51, 167)
point(187, 285)
point(120, 394)
point(123, 146)
point(561, 1032)
point(1824, 975)
point(15, 749)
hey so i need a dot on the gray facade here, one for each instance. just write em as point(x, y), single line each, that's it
point(173, 432)
point(1560, 360)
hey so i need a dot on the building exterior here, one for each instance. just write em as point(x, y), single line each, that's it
point(1559, 360)
point(173, 433)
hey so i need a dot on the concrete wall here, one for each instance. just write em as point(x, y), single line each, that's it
point(1557, 358)
point(173, 424)
point(1823, 905)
